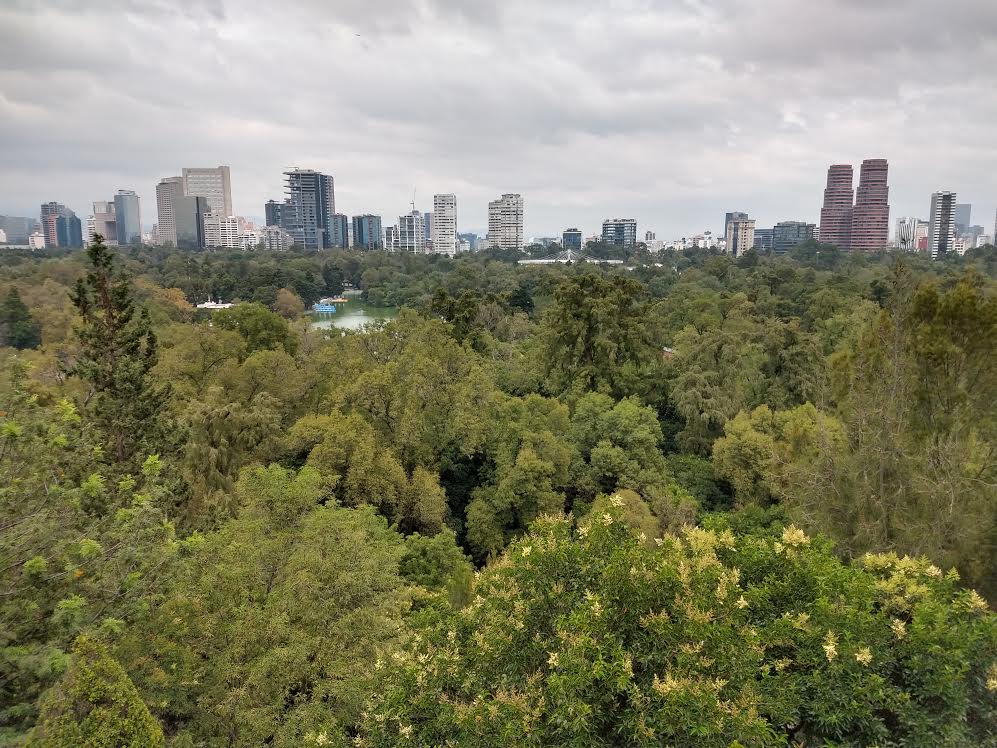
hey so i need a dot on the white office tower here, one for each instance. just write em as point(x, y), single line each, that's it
point(167, 192)
point(505, 222)
point(444, 227)
point(941, 224)
point(222, 231)
point(411, 232)
point(391, 238)
point(214, 184)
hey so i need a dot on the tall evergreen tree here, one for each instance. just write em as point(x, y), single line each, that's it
point(117, 351)
point(18, 329)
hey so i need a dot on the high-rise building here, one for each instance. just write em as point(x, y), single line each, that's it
point(963, 216)
point(105, 222)
point(427, 226)
point(167, 192)
point(391, 241)
point(367, 232)
point(273, 211)
point(340, 230)
point(907, 233)
point(789, 234)
point(128, 218)
point(740, 235)
point(189, 215)
point(870, 229)
point(731, 216)
point(941, 234)
point(69, 230)
point(213, 183)
point(223, 232)
point(411, 232)
point(836, 212)
point(444, 231)
point(764, 239)
point(571, 239)
point(505, 222)
point(49, 213)
point(311, 205)
point(620, 231)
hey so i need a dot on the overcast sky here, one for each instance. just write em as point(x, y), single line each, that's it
point(671, 112)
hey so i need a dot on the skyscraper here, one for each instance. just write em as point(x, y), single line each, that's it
point(444, 231)
point(411, 232)
point(213, 183)
point(188, 221)
point(273, 211)
point(740, 235)
point(836, 212)
point(962, 216)
point(128, 218)
point(941, 231)
point(906, 233)
point(391, 241)
point(789, 234)
point(167, 192)
point(571, 239)
point(367, 232)
point(69, 230)
point(427, 226)
point(505, 222)
point(870, 230)
point(310, 207)
point(340, 230)
point(620, 231)
point(728, 217)
point(49, 213)
point(104, 222)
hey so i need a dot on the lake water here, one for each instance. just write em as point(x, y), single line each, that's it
point(352, 316)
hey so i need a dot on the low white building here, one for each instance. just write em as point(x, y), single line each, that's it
point(36, 240)
point(222, 231)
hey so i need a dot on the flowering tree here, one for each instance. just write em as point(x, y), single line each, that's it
point(595, 637)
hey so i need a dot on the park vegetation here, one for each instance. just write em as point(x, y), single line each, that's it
point(688, 501)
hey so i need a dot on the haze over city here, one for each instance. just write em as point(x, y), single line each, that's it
point(669, 112)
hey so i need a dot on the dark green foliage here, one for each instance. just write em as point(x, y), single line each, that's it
point(18, 328)
point(260, 328)
point(117, 350)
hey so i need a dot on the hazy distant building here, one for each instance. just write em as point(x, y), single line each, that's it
point(213, 183)
point(311, 204)
point(763, 240)
point(444, 228)
point(620, 231)
point(471, 239)
point(906, 236)
point(870, 229)
point(836, 212)
point(740, 235)
point(49, 213)
point(427, 226)
point(962, 214)
point(505, 222)
point(391, 241)
point(36, 240)
point(340, 234)
point(789, 234)
point(276, 239)
point(273, 211)
point(412, 232)
point(69, 230)
point(367, 232)
point(650, 236)
point(941, 232)
point(167, 192)
point(18, 228)
point(188, 219)
point(127, 218)
point(104, 222)
point(571, 239)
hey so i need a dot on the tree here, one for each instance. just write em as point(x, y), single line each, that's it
point(96, 705)
point(596, 637)
point(117, 350)
point(595, 336)
point(259, 327)
point(288, 304)
point(18, 329)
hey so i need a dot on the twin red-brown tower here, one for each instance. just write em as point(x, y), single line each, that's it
point(865, 223)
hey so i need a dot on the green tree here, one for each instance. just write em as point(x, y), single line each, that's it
point(259, 327)
point(116, 351)
point(594, 637)
point(18, 328)
point(96, 705)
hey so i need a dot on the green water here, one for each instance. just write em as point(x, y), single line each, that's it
point(352, 316)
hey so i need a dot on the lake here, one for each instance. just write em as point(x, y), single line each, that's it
point(352, 316)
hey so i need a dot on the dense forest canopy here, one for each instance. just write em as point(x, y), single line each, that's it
point(691, 500)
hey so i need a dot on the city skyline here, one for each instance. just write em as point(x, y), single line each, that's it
point(666, 148)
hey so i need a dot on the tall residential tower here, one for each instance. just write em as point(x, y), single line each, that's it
point(836, 212)
point(505, 222)
point(870, 229)
point(444, 227)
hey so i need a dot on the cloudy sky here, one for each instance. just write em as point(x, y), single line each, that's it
point(669, 111)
